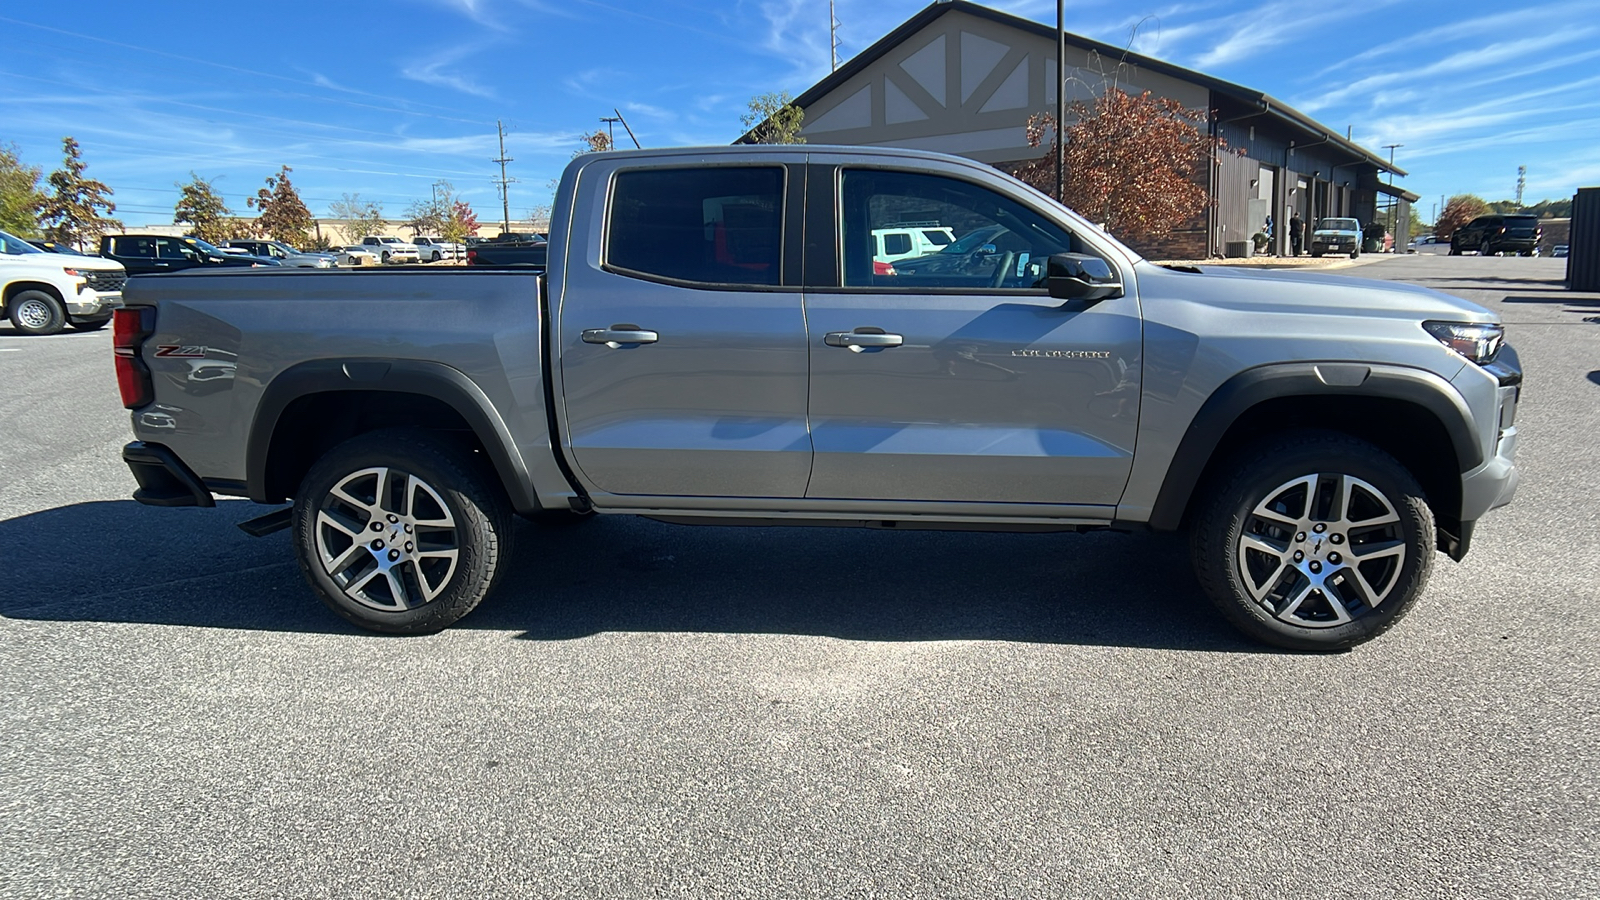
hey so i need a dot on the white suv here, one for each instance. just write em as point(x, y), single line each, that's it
point(390, 249)
point(908, 240)
point(434, 249)
point(42, 293)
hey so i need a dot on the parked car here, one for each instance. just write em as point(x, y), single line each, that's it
point(43, 292)
point(390, 249)
point(355, 255)
point(431, 249)
point(1493, 235)
point(1559, 251)
point(531, 253)
point(1320, 438)
point(910, 239)
point(283, 253)
point(148, 253)
point(1336, 235)
point(54, 247)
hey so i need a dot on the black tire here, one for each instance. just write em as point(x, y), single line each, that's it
point(434, 257)
point(1484, 250)
point(36, 312)
point(1228, 507)
point(1355, 253)
point(455, 487)
point(384, 258)
point(1454, 250)
point(1316, 254)
point(90, 324)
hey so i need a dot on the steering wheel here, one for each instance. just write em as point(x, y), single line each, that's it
point(1004, 263)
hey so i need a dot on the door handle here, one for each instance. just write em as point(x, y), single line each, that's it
point(617, 335)
point(862, 339)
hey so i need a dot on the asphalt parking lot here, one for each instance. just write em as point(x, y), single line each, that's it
point(653, 710)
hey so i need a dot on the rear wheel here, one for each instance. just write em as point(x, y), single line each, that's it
point(1314, 541)
point(36, 312)
point(1483, 248)
point(400, 531)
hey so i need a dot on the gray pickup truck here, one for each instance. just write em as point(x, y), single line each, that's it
point(714, 343)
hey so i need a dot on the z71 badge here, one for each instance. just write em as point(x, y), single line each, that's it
point(175, 351)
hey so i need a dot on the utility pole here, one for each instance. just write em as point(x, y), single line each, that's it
point(1391, 148)
point(1522, 182)
point(625, 127)
point(611, 129)
point(1061, 101)
point(833, 35)
point(504, 182)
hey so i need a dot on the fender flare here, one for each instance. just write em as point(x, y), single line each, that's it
point(1327, 379)
point(441, 382)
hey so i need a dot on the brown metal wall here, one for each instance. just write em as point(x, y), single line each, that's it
point(1233, 197)
point(1583, 248)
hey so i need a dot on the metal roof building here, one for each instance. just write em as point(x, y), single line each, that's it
point(962, 78)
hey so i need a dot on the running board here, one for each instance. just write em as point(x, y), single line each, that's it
point(261, 526)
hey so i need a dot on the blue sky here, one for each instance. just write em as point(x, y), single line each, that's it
point(383, 99)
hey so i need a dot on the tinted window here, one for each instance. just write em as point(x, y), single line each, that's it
point(720, 225)
point(895, 244)
point(135, 247)
point(172, 248)
point(937, 238)
point(1522, 221)
point(1000, 243)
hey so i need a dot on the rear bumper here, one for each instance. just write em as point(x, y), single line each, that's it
point(163, 478)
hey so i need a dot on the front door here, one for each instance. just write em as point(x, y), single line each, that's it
point(682, 334)
point(953, 376)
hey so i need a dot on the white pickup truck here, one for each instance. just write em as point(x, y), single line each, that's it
point(42, 293)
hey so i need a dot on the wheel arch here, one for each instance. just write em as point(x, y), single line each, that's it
point(361, 395)
point(13, 288)
point(1412, 414)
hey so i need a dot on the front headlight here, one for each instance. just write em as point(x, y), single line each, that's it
point(1477, 342)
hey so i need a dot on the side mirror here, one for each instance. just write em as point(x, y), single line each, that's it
point(1079, 276)
point(986, 250)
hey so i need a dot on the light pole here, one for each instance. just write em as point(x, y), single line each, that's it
point(1394, 202)
point(1061, 101)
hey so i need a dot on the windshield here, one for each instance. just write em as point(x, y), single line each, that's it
point(204, 247)
point(1339, 225)
point(12, 245)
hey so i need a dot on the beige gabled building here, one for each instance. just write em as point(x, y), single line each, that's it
point(962, 78)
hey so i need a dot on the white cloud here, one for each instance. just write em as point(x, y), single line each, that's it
point(443, 71)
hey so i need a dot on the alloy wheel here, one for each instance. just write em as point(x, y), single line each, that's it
point(387, 539)
point(1321, 550)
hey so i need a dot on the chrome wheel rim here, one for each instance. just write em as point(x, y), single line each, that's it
point(1321, 550)
point(34, 313)
point(387, 539)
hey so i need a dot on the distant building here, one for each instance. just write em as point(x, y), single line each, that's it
point(963, 78)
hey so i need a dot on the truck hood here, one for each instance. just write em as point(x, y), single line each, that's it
point(1303, 291)
point(58, 261)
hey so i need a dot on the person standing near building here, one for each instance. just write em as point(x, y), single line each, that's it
point(1296, 229)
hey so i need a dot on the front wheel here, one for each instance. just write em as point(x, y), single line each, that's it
point(1355, 253)
point(36, 312)
point(1483, 249)
point(400, 531)
point(1313, 541)
point(434, 257)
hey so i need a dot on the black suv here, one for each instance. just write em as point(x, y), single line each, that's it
point(1492, 235)
point(145, 253)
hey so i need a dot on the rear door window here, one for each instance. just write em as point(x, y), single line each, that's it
point(134, 247)
point(703, 225)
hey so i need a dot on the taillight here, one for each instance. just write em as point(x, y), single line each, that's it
point(882, 268)
point(472, 257)
point(130, 326)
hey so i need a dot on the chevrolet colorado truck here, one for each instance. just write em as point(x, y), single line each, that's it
point(712, 343)
point(43, 292)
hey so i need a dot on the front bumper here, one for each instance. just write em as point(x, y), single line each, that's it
point(90, 304)
point(163, 478)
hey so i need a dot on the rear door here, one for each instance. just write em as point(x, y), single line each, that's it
point(137, 253)
point(682, 337)
point(955, 378)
